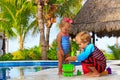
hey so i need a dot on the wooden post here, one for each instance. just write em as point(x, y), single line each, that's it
point(93, 37)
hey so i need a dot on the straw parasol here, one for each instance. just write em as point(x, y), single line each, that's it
point(101, 17)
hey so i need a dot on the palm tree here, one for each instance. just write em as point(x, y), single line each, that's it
point(40, 4)
point(50, 9)
point(5, 29)
point(59, 8)
point(68, 8)
point(18, 14)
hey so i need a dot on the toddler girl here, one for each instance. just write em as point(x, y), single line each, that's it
point(63, 43)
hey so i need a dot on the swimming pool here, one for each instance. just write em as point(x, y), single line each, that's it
point(31, 63)
point(12, 68)
point(10, 73)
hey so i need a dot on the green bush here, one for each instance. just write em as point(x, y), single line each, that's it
point(28, 54)
point(35, 53)
point(6, 57)
point(25, 53)
point(109, 56)
point(18, 55)
point(74, 48)
point(52, 52)
point(115, 51)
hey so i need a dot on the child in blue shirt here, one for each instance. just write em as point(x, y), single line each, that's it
point(92, 59)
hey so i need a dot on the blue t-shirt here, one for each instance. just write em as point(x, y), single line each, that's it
point(86, 52)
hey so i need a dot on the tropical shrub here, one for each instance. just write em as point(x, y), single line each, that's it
point(35, 53)
point(115, 51)
point(109, 56)
point(74, 48)
point(52, 52)
point(6, 57)
point(18, 55)
point(27, 54)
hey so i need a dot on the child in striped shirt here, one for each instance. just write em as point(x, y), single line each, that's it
point(92, 59)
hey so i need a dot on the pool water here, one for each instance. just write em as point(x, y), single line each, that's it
point(16, 72)
point(15, 69)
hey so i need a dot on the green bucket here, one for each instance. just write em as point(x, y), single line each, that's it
point(68, 69)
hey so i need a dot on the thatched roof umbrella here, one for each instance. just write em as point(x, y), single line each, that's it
point(101, 17)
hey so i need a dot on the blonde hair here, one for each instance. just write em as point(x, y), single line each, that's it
point(63, 22)
point(83, 37)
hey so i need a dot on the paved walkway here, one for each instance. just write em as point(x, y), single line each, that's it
point(51, 74)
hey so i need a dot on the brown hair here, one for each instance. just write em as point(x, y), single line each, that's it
point(83, 37)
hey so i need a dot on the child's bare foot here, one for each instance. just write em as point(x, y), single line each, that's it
point(104, 73)
point(95, 75)
point(87, 74)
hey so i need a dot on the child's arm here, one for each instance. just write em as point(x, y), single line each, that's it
point(84, 54)
point(59, 43)
point(73, 58)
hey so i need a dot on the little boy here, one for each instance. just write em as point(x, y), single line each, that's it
point(92, 59)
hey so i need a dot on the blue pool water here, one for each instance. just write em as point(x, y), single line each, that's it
point(14, 72)
point(31, 63)
point(11, 69)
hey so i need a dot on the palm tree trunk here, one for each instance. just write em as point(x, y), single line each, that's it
point(47, 38)
point(21, 42)
point(48, 26)
point(41, 27)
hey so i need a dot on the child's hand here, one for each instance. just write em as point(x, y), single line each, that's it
point(71, 58)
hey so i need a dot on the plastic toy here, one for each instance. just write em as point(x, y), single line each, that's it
point(78, 72)
point(68, 70)
point(109, 70)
